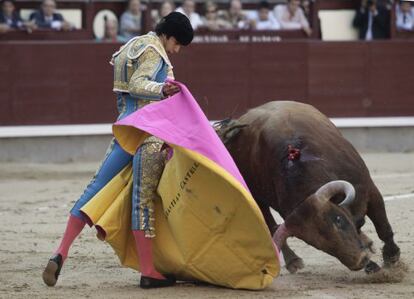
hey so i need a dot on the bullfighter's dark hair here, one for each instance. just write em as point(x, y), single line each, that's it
point(176, 25)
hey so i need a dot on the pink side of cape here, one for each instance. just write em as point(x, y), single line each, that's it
point(179, 120)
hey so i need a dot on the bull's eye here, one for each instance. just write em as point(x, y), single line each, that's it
point(340, 222)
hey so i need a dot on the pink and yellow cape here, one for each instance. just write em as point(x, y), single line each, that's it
point(208, 226)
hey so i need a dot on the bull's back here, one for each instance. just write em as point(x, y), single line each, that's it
point(285, 115)
point(281, 124)
point(273, 131)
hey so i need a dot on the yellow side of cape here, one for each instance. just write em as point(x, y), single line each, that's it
point(208, 227)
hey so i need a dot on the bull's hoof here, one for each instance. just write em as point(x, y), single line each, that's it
point(372, 267)
point(390, 254)
point(294, 265)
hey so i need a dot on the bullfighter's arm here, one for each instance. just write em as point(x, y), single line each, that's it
point(142, 83)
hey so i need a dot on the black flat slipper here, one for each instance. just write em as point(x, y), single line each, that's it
point(52, 270)
point(149, 282)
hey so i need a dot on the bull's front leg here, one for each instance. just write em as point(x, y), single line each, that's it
point(292, 260)
point(371, 267)
point(368, 244)
point(376, 212)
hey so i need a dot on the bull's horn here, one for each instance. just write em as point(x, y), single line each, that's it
point(327, 191)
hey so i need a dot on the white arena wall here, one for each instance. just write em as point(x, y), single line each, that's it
point(75, 143)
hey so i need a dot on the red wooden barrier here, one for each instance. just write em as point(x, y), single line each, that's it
point(70, 82)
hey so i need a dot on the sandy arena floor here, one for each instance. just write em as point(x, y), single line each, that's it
point(34, 205)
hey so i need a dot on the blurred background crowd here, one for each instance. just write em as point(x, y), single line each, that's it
point(372, 18)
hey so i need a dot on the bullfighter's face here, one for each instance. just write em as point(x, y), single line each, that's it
point(170, 44)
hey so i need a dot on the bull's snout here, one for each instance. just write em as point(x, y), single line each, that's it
point(361, 263)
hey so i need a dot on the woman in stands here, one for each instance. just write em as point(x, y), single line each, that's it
point(141, 68)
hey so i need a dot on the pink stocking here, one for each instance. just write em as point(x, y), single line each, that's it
point(73, 228)
point(144, 251)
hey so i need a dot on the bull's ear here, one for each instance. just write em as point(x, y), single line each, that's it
point(232, 131)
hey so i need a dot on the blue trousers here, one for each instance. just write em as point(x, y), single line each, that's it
point(145, 179)
point(115, 160)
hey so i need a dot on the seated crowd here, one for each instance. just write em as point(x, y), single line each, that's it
point(281, 17)
point(372, 19)
point(291, 15)
point(45, 17)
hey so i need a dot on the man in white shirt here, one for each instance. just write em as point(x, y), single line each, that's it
point(291, 16)
point(405, 15)
point(263, 19)
point(188, 9)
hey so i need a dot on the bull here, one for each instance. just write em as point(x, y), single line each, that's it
point(296, 161)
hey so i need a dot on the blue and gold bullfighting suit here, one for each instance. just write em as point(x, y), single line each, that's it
point(141, 67)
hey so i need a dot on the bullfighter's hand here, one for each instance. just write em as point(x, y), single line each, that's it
point(170, 89)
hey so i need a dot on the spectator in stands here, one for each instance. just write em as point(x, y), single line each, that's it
point(131, 20)
point(188, 9)
point(405, 15)
point(264, 20)
point(235, 15)
point(111, 32)
point(306, 6)
point(291, 16)
point(211, 20)
point(47, 17)
point(9, 17)
point(387, 4)
point(372, 21)
point(165, 9)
